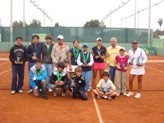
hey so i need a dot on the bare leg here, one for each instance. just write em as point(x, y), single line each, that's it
point(139, 83)
point(94, 78)
point(131, 78)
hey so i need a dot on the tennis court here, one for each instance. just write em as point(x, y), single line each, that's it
point(27, 108)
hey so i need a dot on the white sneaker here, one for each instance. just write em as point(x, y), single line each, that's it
point(63, 94)
point(137, 96)
point(20, 91)
point(118, 94)
point(124, 94)
point(50, 90)
point(105, 97)
point(129, 94)
point(13, 92)
point(29, 91)
point(54, 94)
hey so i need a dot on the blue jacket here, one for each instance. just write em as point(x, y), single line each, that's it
point(42, 76)
point(31, 49)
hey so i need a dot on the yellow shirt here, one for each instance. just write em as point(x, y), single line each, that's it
point(111, 54)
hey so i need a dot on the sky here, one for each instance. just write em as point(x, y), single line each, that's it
point(75, 13)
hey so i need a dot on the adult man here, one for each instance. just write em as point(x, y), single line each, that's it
point(33, 53)
point(60, 51)
point(47, 60)
point(112, 52)
point(18, 58)
point(137, 59)
point(99, 53)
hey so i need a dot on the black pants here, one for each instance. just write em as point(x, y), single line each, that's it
point(17, 77)
point(77, 91)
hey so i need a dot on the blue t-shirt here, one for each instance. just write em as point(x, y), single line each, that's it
point(73, 60)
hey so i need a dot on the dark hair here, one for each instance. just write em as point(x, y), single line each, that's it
point(48, 37)
point(61, 65)
point(75, 41)
point(105, 74)
point(35, 36)
point(38, 60)
point(19, 37)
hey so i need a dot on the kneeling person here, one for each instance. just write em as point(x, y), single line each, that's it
point(78, 85)
point(105, 88)
point(59, 78)
point(38, 79)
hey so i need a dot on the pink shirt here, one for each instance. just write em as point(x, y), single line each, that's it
point(122, 61)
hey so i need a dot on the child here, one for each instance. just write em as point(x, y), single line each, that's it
point(121, 72)
point(85, 60)
point(78, 85)
point(105, 88)
point(72, 57)
point(38, 79)
point(18, 58)
point(59, 79)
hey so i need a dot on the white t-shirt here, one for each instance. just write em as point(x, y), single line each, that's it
point(106, 86)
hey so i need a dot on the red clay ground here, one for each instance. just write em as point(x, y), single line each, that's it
point(25, 108)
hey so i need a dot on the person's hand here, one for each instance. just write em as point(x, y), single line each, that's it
point(125, 68)
point(61, 83)
point(16, 62)
point(139, 65)
point(34, 57)
point(97, 57)
point(56, 82)
point(33, 78)
point(70, 68)
point(102, 57)
point(20, 62)
point(118, 66)
point(101, 93)
point(83, 65)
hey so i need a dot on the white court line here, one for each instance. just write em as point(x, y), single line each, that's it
point(97, 110)
point(5, 71)
point(154, 69)
point(4, 63)
point(4, 59)
point(155, 61)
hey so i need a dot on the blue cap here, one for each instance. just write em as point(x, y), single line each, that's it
point(85, 45)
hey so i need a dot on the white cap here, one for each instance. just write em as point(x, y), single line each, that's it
point(122, 48)
point(99, 39)
point(60, 37)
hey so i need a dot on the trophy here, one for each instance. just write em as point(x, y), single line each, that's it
point(18, 59)
point(138, 60)
point(132, 60)
point(34, 54)
point(99, 53)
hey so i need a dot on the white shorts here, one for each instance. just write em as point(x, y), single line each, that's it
point(73, 68)
point(137, 71)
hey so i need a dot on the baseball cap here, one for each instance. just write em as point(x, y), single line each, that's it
point(85, 45)
point(60, 37)
point(99, 39)
point(134, 42)
point(122, 48)
point(48, 36)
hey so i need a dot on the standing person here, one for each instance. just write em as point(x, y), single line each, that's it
point(112, 52)
point(99, 53)
point(60, 51)
point(137, 60)
point(47, 60)
point(121, 72)
point(18, 58)
point(38, 79)
point(33, 53)
point(85, 60)
point(72, 58)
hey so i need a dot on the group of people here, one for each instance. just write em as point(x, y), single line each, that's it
point(53, 67)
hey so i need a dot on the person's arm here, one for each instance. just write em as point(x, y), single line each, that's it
point(91, 60)
point(29, 52)
point(129, 58)
point(144, 56)
point(116, 62)
point(69, 59)
point(25, 57)
point(78, 61)
point(107, 57)
point(98, 90)
point(53, 55)
point(11, 55)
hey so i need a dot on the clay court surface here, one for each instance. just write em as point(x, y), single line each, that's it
point(25, 108)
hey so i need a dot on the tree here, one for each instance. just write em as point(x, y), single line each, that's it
point(95, 23)
point(57, 25)
point(17, 24)
point(35, 23)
